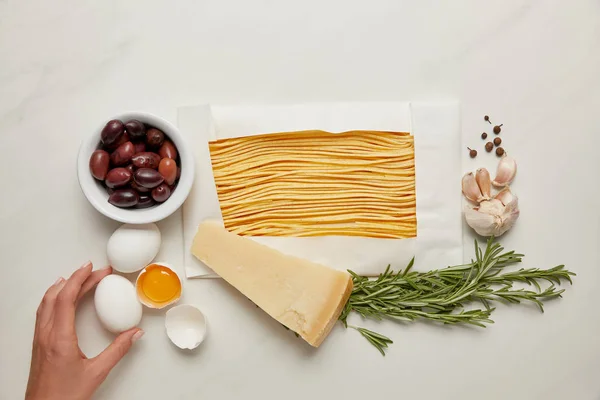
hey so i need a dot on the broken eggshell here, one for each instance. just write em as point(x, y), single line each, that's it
point(186, 326)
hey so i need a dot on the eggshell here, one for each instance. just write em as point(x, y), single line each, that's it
point(186, 326)
point(132, 247)
point(147, 301)
point(116, 304)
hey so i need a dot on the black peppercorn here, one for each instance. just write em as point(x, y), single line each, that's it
point(498, 129)
point(489, 146)
point(497, 141)
point(484, 135)
point(472, 153)
point(499, 151)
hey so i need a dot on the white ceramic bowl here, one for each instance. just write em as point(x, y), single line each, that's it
point(97, 194)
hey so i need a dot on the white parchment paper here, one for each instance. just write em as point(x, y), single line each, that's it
point(436, 128)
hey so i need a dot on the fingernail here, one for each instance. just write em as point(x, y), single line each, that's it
point(106, 268)
point(87, 264)
point(136, 336)
point(59, 280)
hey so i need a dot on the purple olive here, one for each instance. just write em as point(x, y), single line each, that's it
point(148, 178)
point(122, 155)
point(145, 202)
point(161, 193)
point(168, 169)
point(154, 137)
point(117, 177)
point(124, 198)
point(139, 188)
point(140, 147)
point(168, 150)
point(99, 162)
point(136, 130)
point(146, 159)
point(112, 132)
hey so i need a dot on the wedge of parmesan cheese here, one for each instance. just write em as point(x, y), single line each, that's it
point(306, 297)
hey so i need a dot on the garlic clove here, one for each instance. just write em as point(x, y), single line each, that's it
point(509, 220)
point(470, 188)
point(505, 196)
point(482, 177)
point(512, 206)
point(507, 169)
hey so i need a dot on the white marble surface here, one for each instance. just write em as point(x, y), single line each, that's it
point(66, 65)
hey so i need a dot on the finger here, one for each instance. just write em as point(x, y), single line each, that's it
point(106, 361)
point(93, 280)
point(64, 311)
point(46, 308)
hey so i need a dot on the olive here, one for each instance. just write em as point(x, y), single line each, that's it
point(99, 162)
point(112, 132)
point(122, 155)
point(140, 147)
point(168, 150)
point(148, 178)
point(124, 139)
point(124, 198)
point(161, 193)
point(117, 177)
point(154, 137)
point(136, 130)
point(145, 202)
point(146, 159)
point(168, 169)
point(139, 188)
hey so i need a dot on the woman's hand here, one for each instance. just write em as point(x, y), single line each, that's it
point(59, 369)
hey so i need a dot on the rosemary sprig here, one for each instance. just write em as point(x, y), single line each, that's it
point(440, 295)
point(379, 341)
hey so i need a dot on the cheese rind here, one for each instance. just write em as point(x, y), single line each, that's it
point(304, 296)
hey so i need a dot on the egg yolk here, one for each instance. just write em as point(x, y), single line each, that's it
point(159, 284)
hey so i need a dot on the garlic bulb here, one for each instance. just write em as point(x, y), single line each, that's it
point(470, 188)
point(507, 169)
point(492, 218)
point(494, 215)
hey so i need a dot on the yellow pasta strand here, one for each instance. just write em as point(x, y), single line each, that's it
point(316, 183)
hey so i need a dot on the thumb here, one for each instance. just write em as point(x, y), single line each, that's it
point(110, 357)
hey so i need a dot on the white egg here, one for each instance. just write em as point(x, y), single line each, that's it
point(117, 305)
point(132, 247)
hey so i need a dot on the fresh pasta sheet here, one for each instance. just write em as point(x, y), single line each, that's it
point(317, 183)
